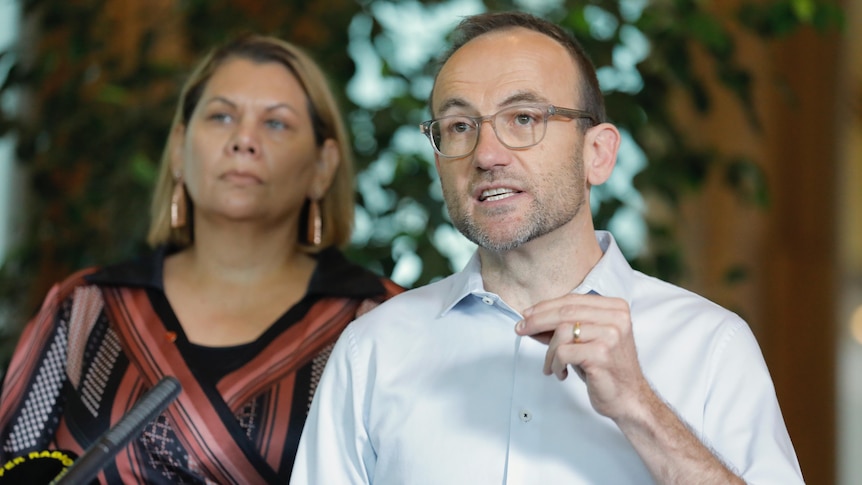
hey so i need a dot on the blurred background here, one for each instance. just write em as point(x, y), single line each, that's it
point(740, 175)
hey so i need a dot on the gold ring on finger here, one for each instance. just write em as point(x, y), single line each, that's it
point(576, 332)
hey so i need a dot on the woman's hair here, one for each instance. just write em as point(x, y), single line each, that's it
point(336, 206)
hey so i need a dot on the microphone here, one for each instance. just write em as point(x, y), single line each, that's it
point(151, 404)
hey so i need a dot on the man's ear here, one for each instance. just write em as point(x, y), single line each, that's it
point(324, 169)
point(601, 144)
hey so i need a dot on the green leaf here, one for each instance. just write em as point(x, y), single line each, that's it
point(736, 274)
point(748, 181)
point(804, 10)
point(143, 170)
point(113, 94)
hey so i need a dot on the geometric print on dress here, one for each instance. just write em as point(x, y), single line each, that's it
point(100, 354)
point(247, 416)
point(164, 453)
point(317, 366)
point(87, 306)
point(39, 416)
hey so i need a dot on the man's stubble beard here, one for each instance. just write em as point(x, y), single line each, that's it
point(562, 199)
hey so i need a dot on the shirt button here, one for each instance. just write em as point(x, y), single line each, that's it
point(525, 415)
point(487, 300)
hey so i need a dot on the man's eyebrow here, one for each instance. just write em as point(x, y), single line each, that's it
point(516, 98)
point(523, 97)
point(452, 103)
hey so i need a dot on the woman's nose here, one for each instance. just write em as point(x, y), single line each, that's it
point(245, 140)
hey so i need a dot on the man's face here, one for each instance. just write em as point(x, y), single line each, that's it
point(502, 198)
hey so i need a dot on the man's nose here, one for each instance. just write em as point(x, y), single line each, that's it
point(490, 151)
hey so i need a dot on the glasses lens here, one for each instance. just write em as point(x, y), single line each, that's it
point(515, 127)
point(454, 136)
point(520, 126)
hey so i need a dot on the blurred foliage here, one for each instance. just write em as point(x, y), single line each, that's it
point(95, 82)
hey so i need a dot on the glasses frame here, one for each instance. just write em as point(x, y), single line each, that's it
point(549, 110)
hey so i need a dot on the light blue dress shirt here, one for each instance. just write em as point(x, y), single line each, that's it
point(434, 387)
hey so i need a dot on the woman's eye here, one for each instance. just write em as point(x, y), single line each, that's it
point(276, 124)
point(220, 117)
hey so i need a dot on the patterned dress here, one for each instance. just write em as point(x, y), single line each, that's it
point(106, 335)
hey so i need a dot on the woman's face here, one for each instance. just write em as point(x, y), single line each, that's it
point(248, 153)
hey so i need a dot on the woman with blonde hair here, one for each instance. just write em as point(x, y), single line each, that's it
point(240, 300)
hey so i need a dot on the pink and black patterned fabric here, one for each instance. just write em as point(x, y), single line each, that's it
point(105, 336)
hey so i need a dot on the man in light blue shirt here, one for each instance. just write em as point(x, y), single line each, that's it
point(644, 382)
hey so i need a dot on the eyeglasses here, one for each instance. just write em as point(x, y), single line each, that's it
point(520, 126)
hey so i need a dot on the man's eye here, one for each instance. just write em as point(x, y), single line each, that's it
point(524, 119)
point(460, 127)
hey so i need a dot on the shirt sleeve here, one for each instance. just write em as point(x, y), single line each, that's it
point(335, 447)
point(742, 418)
point(30, 404)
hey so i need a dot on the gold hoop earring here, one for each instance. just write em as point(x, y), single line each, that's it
point(315, 224)
point(178, 203)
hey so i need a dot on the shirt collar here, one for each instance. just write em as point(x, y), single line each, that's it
point(463, 283)
point(611, 276)
point(333, 276)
